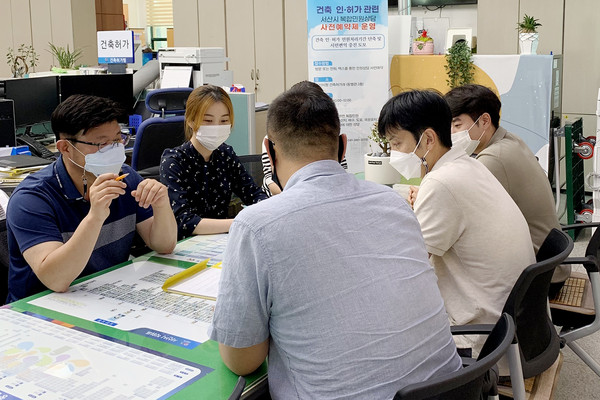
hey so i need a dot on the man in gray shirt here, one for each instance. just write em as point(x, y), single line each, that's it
point(330, 278)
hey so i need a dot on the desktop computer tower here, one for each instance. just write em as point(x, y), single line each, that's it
point(7, 123)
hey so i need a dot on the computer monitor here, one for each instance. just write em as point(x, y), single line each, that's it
point(34, 98)
point(117, 87)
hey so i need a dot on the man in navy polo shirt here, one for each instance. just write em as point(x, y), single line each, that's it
point(74, 217)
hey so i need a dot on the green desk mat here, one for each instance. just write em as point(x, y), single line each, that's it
point(217, 384)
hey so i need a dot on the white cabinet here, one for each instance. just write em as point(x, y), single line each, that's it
point(255, 46)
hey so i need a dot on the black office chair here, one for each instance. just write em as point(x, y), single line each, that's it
point(538, 343)
point(156, 134)
point(468, 382)
point(238, 389)
point(576, 317)
point(253, 165)
point(4, 262)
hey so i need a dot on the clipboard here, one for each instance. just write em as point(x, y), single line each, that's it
point(199, 280)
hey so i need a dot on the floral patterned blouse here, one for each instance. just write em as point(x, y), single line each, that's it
point(202, 189)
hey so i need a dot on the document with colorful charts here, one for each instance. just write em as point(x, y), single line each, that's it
point(46, 359)
point(198, 248)
point(131, 299)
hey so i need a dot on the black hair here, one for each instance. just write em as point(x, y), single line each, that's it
point(474, 100)
point(80, 113)
point(304, 122)
point(415, 111)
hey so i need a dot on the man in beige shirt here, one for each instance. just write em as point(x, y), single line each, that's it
point(476, 115)
point(478, 239)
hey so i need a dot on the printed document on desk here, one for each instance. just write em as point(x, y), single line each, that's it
point(198, 280)
point(198, 248)
point(131, 299)
point(47, 359)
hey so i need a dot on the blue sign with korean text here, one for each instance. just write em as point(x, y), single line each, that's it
point(348, 58)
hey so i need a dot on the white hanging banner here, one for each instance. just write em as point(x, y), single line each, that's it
point(348, 57)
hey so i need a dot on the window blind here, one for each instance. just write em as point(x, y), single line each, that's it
point(159, 13)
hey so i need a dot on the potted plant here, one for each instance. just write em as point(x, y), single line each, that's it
point(21, 60)
point(377, 163)
point(423, 44)
point(65, 57)
point(459, 64)
point(528, 36)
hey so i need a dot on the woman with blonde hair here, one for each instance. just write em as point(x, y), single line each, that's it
point(204, 172)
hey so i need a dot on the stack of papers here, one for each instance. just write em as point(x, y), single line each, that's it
point(13, 169)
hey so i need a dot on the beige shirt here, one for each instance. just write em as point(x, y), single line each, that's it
point(517, 169)
point(477, 236)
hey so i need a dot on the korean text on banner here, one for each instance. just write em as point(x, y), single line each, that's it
point(348, 57)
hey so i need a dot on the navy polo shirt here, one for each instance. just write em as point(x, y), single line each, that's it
point(46, 207)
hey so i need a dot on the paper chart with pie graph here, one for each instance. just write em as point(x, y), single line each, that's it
point(49, 360)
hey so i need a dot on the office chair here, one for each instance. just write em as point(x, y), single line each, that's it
point(156, 134)
point(537, 346)
point(466, 383)
point(577, 315)
point(238, 389)
point(4, 262)
point(253, 165)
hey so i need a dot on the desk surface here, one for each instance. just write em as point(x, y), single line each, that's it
point(158, 337)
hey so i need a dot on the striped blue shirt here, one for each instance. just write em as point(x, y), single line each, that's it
point(47, 207)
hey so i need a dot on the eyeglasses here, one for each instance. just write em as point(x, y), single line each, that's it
point(102, 147)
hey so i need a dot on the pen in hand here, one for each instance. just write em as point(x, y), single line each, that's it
point(120, 178)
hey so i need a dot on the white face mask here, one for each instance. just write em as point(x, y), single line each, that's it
point(212, 136)
point(109, 159)
point(463, 140)
point(408, 164)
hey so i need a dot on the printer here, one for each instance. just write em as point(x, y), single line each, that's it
point(208, 64)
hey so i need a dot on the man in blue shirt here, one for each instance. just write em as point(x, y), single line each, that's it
point(74, 217)
point(330, 278)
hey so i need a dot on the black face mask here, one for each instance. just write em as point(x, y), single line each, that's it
point(340, 149)
point(273, 171)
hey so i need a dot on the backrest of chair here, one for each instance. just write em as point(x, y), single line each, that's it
point(153, 137)
point(527, 303)
point(4, 262)
point(253, 165)
point(466, 383)
point(169, 101)
point(593, 245)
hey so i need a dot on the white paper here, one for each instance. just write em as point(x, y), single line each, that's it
point(43, 359)
point(176, 77)
point(204, 283)
point(131, 299)
point(198, 248)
